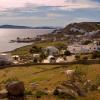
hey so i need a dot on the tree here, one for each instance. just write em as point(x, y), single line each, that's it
point(86, 42)
point(95, 55)
point(40, 51)
point(61, 46)
point(67, 53)
point(35, 49)
point(77, 57)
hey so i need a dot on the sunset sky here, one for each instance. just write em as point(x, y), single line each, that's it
point(48, 12)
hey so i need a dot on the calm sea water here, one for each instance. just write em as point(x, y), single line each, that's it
point(10, 34)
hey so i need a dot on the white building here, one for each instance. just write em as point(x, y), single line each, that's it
point(83, 48)
point(50, 59)
point(60, 60)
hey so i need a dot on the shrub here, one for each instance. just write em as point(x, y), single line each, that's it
point(60, 46)
point(93, 87)
point(67, 53)
point(80, 71)
point(97, 81)
point(95, 55)
point(77, 57)
point(35, 49)
point(10, 80)
point(86, 42)
point(28, 92)
point(79, 74)
point(85, 57)
point(39, 94)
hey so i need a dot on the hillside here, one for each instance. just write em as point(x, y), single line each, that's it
point(48, 76)
point(25, 49)
point(82, 28)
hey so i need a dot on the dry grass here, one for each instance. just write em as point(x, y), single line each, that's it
point(49, 76)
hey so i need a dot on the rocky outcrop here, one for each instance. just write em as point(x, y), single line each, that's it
point(15, 88)
point(70, 89)
point(63, 91)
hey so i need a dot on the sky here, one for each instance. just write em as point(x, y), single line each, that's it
point(48, 12)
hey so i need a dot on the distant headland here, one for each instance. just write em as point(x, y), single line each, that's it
point(25, 27)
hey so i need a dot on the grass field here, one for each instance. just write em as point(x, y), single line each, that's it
point(48, 76)
point(25, 49)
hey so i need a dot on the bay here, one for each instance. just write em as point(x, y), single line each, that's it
point(10, 34)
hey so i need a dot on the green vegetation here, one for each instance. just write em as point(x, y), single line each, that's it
point(39, 94)
point(60, 45)
point(35, 49)
point(67, 53)
point(77, 57)
point(95, 55)
point(26, 49)
point(87, 42)
point(28, 92)
point(98, 80)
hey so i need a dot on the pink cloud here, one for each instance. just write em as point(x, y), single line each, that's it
point(69, 4)
point(20, 3)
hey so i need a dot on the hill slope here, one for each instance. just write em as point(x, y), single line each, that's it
point(48, 76)
point(82, 28)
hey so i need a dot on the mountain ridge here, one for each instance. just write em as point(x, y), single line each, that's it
point(25, 27)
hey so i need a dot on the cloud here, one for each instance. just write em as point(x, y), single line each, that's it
point(43, 7)
point(64, 4)
point(80, 4)
point(48, 11)
point(50, 15)
point(21, 3)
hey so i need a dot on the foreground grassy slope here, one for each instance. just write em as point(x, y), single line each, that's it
point(48, 76)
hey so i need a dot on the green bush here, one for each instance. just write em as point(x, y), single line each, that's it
point(67, 53)
point(97, 81)
point(77, 57)
point(95, 55)
point(28, 92)
point(35, 49)
point(86, 42)
point(80, 74)
point(85, 57)
point(39, 94)
point(60, 46)
point(10, 80)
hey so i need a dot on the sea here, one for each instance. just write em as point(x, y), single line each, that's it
point(11, 34)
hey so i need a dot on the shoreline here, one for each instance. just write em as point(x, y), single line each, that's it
point(15, 49)
point(9, 34)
